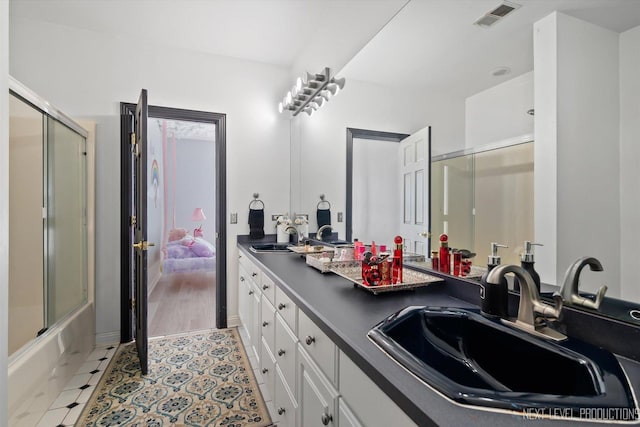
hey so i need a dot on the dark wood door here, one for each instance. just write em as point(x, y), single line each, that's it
point(139, 181)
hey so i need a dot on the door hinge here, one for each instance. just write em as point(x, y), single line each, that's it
point(134, 145)
point(132, 303)
point(132, 220)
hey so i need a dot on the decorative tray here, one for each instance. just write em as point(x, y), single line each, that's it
point(324, 265)
point(412, 279)
point(312, 249)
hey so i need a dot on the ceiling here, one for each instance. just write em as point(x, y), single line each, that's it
point(269, 31)
point(426, 44)
point(433, 44)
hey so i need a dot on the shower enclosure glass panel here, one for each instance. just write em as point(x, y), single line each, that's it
point(66, 205)
point(47, 217)
point(26, 252)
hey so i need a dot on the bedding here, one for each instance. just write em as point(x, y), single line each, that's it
point(185, 253)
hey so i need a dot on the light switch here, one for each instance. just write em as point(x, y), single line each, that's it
point(234, 218)
point(339, 216)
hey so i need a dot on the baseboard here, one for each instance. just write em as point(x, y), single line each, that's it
point(108, 338)
point(233, 321)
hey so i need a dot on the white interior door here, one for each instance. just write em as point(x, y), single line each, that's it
point(414, 170)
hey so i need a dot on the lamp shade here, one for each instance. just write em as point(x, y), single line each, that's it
point(198, 215)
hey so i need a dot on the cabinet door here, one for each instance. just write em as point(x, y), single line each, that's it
point(256, 326)
point(346, 418)
point(243, 301)
point(317, 397)
point(321, 349)
point(285, 404)
point(285, 353)
point(267, 369)
point(268, 323)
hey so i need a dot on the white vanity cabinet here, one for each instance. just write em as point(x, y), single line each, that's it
point(311, 382)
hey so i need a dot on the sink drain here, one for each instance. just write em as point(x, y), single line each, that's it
point(635, 314)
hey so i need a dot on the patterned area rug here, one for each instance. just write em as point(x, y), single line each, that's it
point(197, 379)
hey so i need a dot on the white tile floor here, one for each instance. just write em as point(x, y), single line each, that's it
point(66, 409)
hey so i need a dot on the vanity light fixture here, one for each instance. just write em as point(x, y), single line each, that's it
point(311, 92)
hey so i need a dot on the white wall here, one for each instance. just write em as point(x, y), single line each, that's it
point(577, 202)
point(500, 113)
point(319, 142)
point(629, 161)
point(4, 205)
point(87, 74)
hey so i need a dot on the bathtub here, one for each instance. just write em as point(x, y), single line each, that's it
point(39, 371)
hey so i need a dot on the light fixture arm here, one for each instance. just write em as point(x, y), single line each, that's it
point(316, 91)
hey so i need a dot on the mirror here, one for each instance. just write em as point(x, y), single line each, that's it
point(430, 66)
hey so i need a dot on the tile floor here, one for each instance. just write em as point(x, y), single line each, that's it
point(66, 409)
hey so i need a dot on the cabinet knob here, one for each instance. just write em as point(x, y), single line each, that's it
point(326, 419)
point(265, 287)
point(309, 340)
point(265, 370)
point(281, 352)
point(254, 274)
point(242, 278)
point(281, 411)
point(281, 306)
point(264, 324)
point(250, 292)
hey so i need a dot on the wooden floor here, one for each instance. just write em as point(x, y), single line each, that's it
point(182, 302)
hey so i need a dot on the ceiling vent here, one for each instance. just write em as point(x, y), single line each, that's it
point(496, 14)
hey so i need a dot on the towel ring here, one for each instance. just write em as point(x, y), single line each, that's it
point(256, 200)
point(323, 201)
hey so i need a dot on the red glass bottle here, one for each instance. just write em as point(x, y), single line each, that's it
point(397, 260)
point(445, 260)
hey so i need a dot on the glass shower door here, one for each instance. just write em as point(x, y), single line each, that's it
point(66, 208)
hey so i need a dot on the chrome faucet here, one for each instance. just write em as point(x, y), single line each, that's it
point(320, 230)
point(297, 232)
point(533, 314)
point(571, 283)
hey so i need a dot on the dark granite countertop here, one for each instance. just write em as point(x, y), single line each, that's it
point(346, 313)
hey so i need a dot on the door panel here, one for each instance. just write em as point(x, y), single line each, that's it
point(139, 212)
point(414, 179)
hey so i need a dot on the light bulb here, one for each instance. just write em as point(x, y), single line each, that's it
point(299, 83)
point(289, 98)
point(280, 107)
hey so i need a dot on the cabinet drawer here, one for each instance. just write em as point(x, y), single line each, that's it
point(268, 288)
point(359, 391)
point(321, 349)
point(267, 369)
point(252, 270)
point(317, 398)
point(285, 353)
point(268, 324)
point(284, 402)
point(287, 309)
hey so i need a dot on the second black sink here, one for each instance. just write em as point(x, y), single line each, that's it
point(477, 360)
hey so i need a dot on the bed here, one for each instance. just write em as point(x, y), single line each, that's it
point(188, 254)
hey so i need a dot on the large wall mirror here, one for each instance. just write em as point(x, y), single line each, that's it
point(561, 74)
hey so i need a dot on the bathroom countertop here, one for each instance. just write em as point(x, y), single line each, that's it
point(346, 313)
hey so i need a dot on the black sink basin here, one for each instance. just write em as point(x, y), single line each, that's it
point(479, 361)
point(270, 247)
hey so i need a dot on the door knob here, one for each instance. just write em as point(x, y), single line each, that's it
point(424, 234)
point(142, 245)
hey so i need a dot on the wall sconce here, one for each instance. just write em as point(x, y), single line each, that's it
point(311, 92)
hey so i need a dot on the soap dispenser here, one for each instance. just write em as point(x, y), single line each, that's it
point(494, 297)
point(527, 261)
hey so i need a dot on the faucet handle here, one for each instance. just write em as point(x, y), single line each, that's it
point(589, 303)
point(555, 312)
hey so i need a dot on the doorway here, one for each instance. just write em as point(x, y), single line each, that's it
point(185, 211)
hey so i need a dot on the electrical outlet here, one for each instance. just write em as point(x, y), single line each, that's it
point(275, 217)
point(339, 216)
point(305, 216)
point(234, 218)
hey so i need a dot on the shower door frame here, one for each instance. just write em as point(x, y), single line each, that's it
point(127, 110)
